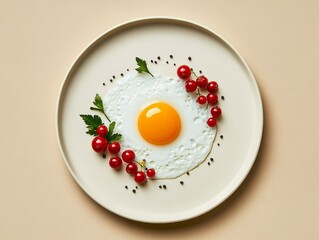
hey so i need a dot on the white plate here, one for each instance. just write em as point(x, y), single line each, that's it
point(207, 185)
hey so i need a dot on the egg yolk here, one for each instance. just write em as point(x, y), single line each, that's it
point(159, 123)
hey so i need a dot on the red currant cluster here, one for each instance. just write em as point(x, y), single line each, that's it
point(184, 72)
point(100, 145)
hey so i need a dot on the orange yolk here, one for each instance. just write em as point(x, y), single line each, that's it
point(159, 123)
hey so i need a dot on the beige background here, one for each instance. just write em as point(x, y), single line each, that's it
point(40, 40)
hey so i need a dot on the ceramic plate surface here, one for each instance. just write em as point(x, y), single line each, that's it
point(241, 125)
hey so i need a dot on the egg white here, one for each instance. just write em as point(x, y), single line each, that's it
point(128, 96)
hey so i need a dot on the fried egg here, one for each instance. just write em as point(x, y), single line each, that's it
point(160, 122)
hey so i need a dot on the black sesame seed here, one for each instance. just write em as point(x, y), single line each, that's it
point(111, 80)
point(164, 186)
point(122, 74)
point(187, 173)
point(103, 84)
point(152, 61)
point(126, 187)
point(189, 58)
point(200, 71)
point(104, 155)
point(159, 58)
point(212, 159)
point(218, 144)
point(171, 56)
point(136, 187)
point(221, 136)
point(155, 62)
point(208, 163)
point(134, 191)
point(167, 62)
point(181, 182)
point(160, 186)
point(127, 69)
point(222, 97)
point(174, 64)
point(113, 77)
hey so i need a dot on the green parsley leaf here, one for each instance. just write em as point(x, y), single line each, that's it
point(92, 132)
point(111, 129)
point(92, 122)
point(142, 66)
point(110, 136)
point(98, 103)
point(115, 137)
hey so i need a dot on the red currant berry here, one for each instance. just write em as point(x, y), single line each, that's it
point(114, 147)
point(102, 131)
point(131, 168)
point(184, 72)
point(140, 177)
point(212, 122)
point(115, 162)
point(99, 144)
point(201, 81)
point(216, 111)
point(212, 86)
point(190, 86)
point(150, 172)
point(128, 156)
point(201, 99)
point(212, 98)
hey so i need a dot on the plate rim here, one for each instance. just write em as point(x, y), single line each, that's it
point(241, 175)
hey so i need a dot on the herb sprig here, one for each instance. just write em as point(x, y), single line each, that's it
point(94, 121)
point(98, 103)
point(142, 66)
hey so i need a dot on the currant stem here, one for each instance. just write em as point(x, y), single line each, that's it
point(194, 73)
point(141, 165)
